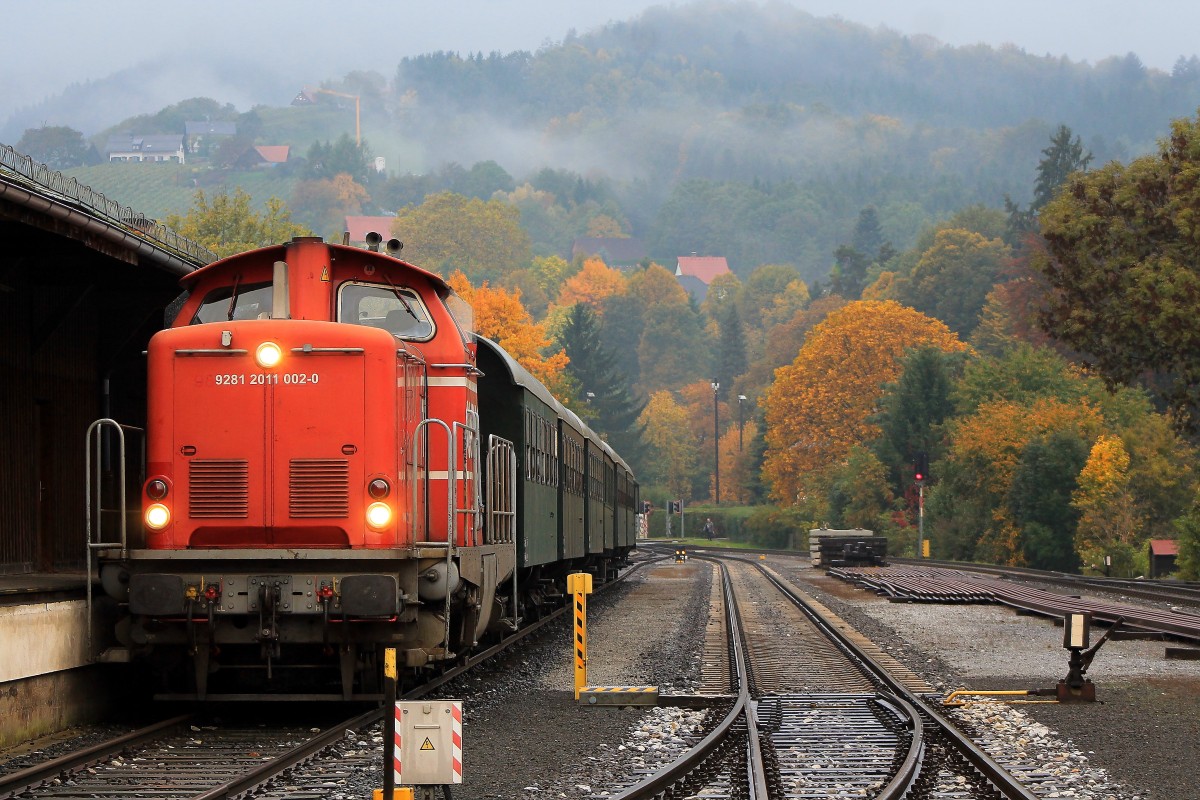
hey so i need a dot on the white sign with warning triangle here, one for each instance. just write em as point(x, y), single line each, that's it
point(428, 746)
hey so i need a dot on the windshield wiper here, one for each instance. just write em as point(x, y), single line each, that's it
point(401, 298)
point(237, 281)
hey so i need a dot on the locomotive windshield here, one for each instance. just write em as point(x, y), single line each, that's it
point(394, 309)
point(253, 301)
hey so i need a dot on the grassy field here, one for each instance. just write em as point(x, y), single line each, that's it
point(158, 190)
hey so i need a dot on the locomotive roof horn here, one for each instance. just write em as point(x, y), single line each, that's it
point(394, 246)
point(373, 240)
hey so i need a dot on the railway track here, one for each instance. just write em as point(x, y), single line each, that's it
point(817, 714)
point(187, 757)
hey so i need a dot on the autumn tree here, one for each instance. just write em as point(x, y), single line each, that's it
point(595, 282)
point(821, 405)
point(1123, 243)
point(226, 224)
point(670, 438)
point(499, 316)
point(783, 342)
point(738, 463)
point(1110, 522)
point(447, 232)
point(550, 272)
point(971, 513)
point(762, 287)
point(952, 279)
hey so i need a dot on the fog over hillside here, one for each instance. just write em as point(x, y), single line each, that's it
point(263, 52)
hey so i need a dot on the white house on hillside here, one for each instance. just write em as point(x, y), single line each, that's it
point(166, 147)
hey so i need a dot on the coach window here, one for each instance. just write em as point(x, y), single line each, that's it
point(250, 301)
point(398, 311)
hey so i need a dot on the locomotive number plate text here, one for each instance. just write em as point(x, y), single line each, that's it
point(266, 378)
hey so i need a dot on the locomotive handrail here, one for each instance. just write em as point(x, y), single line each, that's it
point(96, 542)
point(308, 348)
point(470, 458)
point(451, 516)
point(471, 368)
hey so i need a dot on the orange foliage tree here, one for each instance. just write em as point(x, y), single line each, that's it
point(1109, 521)
point(820, 405)
point(737, 463)
point(592, 285)
point(985, 453)
point(500, 316)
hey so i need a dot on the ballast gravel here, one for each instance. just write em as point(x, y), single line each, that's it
point(525, 737)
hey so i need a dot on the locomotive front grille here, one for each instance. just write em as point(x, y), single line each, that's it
point(319, 487)
point(220, 489)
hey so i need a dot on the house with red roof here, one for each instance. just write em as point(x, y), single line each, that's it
point(272, 154)
point(703, 267)
point(695, 273)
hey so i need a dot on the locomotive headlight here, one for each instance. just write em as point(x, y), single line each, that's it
point(268, 355)
point(379, 515)
point(158, 517)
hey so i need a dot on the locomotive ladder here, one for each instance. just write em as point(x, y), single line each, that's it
point(96, 442)
point(451, 495)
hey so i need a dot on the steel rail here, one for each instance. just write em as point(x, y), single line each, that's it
point(676, 771)
point(17, 783)
point(332, 735)
point(939, 584)
point(1161, 591)
point(1005, 783)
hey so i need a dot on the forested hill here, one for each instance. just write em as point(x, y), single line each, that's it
point(756, 132)
point(778, 64)
point(748, 98)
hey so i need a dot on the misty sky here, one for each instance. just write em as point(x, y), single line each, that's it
point(60, 42)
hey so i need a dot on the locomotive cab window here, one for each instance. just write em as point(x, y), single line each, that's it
point(251, 301)
point(396, 310)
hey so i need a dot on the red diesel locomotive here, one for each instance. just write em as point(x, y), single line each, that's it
point(335, 464)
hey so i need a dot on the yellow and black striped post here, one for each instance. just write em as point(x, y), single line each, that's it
point(579, 584)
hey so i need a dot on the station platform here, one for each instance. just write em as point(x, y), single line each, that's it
point(48, 678)
point(38, 585)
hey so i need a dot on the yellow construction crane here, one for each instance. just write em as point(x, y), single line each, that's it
point(357, 112)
